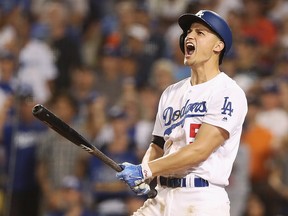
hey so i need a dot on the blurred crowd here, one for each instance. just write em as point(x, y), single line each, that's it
point(101, 65)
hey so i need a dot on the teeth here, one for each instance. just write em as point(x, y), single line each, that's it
point(190, 46)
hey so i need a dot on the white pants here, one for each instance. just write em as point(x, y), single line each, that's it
point(199, 201)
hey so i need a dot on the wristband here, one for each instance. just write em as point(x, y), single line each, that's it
point(146, 171)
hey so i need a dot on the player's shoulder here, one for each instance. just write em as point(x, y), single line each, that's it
point(228, 88)
point(228, 84)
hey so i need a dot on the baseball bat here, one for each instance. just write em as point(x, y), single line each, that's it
point(56, 124)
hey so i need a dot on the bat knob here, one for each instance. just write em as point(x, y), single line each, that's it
point(37, 108)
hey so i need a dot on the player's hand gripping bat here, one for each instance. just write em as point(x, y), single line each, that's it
point(55, 123)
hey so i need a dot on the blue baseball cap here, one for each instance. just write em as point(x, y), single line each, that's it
point(213, 20)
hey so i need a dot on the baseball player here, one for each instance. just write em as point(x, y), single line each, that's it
point(197, 129)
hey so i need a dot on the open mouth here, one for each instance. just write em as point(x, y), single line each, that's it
point(190, 48)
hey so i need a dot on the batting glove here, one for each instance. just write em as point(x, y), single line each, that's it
point(133, 176)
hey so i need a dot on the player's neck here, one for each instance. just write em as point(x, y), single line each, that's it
point(201, 74)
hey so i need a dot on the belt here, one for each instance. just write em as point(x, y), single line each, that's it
point(181, 182)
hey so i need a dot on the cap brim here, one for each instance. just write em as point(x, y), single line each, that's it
point(186, 20)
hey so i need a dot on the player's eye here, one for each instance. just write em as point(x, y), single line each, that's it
point(200, 33)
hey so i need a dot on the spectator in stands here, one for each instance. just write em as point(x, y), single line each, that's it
point(8, 70)
point(278, 179)
point(82, 88)
point(255, 206)
point(260, 143)
point(21, 138)
point(111, 196)
point(248, 70)
point(272, 116)
point(109, 82)
point(259, 140)
point(71, 199)
point(254, 23)
point(66, 48)
point(36, 63)
point(239, 182)
point(162, 75)
point(56, 156)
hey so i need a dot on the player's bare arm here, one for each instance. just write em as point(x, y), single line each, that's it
point(208, 139)
point(153, 152)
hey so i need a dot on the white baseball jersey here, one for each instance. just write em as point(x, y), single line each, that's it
point(220, 102)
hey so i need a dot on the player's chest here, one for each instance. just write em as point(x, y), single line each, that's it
point(189, 105)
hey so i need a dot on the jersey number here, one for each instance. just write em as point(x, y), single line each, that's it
point(193, 131)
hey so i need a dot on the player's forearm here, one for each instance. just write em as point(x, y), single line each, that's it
point(179, 161)
point(153, 152)
point(208, 139)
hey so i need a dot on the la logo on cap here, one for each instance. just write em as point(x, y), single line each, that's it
point(200, 14)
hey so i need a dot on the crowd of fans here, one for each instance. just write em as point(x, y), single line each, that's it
point(101, 65)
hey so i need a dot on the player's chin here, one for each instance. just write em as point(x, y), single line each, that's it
point(187, 61)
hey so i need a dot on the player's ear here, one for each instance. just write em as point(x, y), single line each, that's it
point(219, 46)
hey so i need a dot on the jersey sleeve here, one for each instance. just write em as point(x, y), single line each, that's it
point(158, 125)
point(227, 109)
